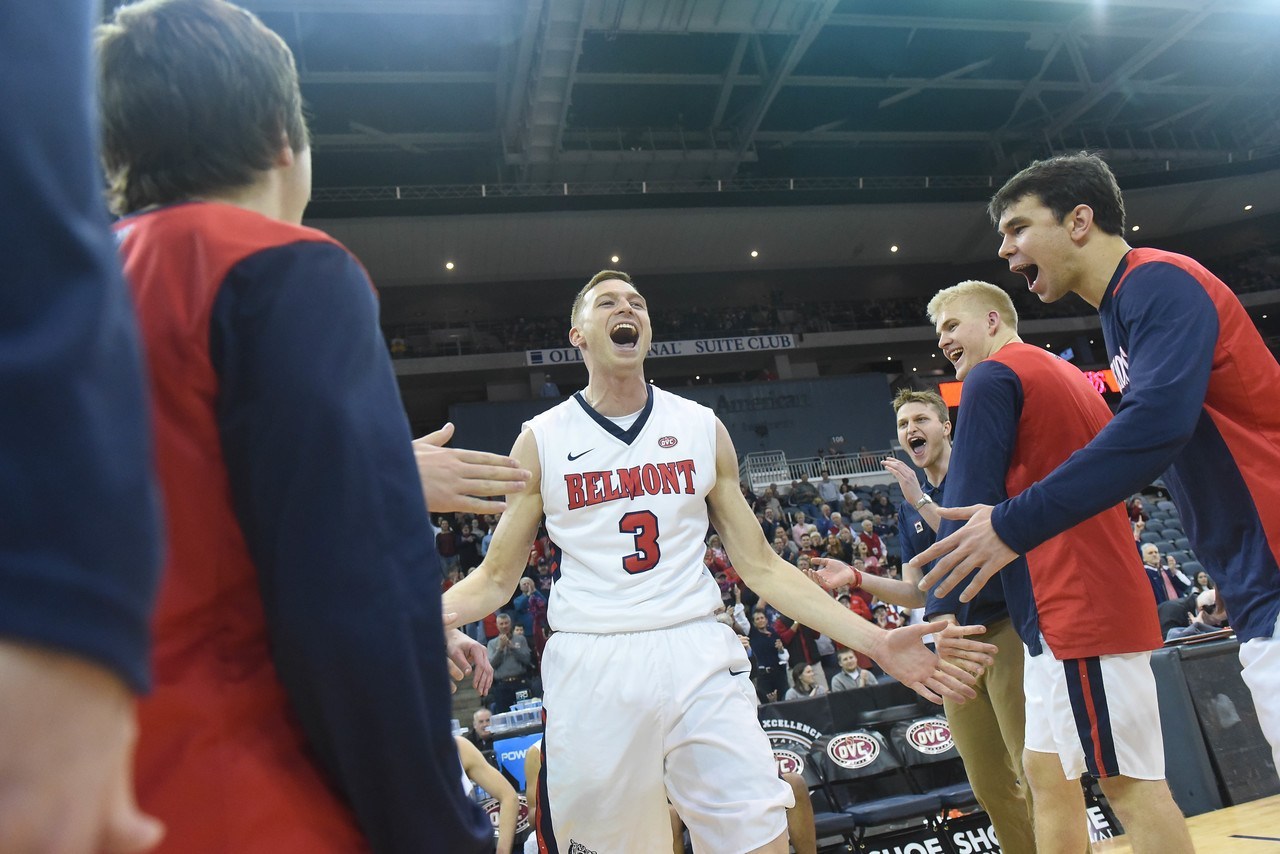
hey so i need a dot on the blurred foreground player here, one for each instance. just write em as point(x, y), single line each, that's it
point(300, 700)
point(647, 696)
point(1090, 691)
point(79, 530)
point(1203, 413)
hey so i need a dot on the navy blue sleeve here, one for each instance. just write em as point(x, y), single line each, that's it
point(986, 430)
point(79, 523)
point(325, 486)
point(905, 541)
point(1171, 326)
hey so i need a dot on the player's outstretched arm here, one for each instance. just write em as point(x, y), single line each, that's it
point(490, 585)
point(455, 480)
point(975, 547)
point(791, 592)
point(831, 574)
point(491, 780)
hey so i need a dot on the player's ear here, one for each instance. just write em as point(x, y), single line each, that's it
point(575, 337)
point(285, 155)
point(1080, 222)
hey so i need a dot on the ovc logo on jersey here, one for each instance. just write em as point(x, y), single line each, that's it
point(1120, 367)
point(930, 736)
point(853, 750)
point(668, 442)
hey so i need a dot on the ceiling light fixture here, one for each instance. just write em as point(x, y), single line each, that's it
point(448, 265)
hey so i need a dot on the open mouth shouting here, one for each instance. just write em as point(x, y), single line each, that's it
point(625, 335)
point(1032, 274)
point(918, 447)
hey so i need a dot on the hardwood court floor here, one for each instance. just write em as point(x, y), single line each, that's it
point(1252, 828)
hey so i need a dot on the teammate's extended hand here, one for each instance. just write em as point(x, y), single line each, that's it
point(452, 477)
point(831, 574)
point(467, 655)
point(976, 546)
point(902, 654)
point(946, 642)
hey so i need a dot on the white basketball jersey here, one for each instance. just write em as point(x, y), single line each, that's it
point(628, 511)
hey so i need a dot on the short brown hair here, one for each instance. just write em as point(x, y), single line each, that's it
point(928, 398)
point(1061, 183)
point(196, 97)
point(602, 276)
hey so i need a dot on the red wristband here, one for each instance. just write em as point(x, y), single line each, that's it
point(857, 578)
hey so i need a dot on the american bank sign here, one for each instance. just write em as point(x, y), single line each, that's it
point(660, 349)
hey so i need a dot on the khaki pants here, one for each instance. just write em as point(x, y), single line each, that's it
point(989, 731)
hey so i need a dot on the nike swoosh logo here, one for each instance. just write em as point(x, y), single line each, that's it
point(573, 457)
point(739, 672)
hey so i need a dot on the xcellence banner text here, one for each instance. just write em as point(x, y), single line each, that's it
point(696, 347)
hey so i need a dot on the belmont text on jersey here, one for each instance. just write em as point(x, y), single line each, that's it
point(597, 487)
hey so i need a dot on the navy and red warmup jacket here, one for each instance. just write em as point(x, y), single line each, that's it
point(1199, 406)
point(1023, 414)
point(301, 700)
point(79, 511)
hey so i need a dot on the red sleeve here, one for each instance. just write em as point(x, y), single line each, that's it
point(783, 632)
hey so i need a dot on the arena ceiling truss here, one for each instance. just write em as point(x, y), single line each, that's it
point(538, 92)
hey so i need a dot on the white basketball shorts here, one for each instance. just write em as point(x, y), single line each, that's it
point(637, 718)
point(1261, 660)
point(1098, 714)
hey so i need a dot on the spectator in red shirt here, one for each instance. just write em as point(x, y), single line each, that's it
point(447, 545)
point(875, 546)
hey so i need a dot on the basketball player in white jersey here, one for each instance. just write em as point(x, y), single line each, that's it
point(647, 696)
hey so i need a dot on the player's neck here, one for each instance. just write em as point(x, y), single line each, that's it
point(936, 472)
point(265, 195)
point(1003, 338)
point(1102, 255)
point(614, 397)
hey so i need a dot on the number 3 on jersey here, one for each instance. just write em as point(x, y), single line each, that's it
point(643, 525)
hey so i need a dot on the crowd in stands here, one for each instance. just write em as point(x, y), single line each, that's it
point(1185, 595)
point(1248, 272)
point(851, 523)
